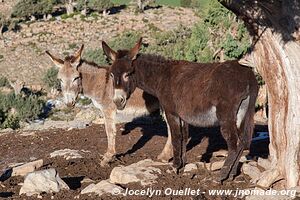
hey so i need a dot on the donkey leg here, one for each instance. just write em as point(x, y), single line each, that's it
point(110, 128)
point(167, 152)
point(230, 134)
point(185, 136)
point(234, 169)
point(174, 123)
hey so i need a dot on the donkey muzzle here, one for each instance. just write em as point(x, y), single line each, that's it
point(120, 99)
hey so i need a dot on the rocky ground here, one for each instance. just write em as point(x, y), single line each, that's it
point(75, 154)
point(23, 51)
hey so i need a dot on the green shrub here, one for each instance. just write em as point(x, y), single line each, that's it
point(25, 108)
point(96, 56)
point(259, 79)
point(2, 117)
point(27, 8)
point(94, 5)
point(28, 108)
point(124, 41)
point(185, 3)
point(4, 82)
point(12, 122)
point(84, 101)
point(50, 78)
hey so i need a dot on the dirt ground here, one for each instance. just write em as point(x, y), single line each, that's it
point(138, 142)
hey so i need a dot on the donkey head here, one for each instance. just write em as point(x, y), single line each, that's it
point(122, 72)
point(69, 76)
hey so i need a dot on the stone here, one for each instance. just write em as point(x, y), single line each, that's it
point(42, 181)
point(220, 153)
point(142, 172)
point(103, 187)
point(26, 168)
point(215, 165)
point(28, 134)
point(264, 163)
point(67, 154)
point(190, 167)
point(87, 180)
point(87, 115)
point(252, 171)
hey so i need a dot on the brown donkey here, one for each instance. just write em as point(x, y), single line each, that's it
point(78, 76)
point(191, 93)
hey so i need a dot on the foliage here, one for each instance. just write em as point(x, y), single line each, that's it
point(218, 29)
point(24, 108)
point(4, 82)
point(259, 79)
point(124, 41)
point(27, 8)
point(12, 122)
point(84, 101)
point(171, 44)
point(185, 3)
point(95, 5)
point(50, 78)
point(95, 55)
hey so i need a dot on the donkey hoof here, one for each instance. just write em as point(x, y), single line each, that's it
point(106, 160)
point(223, 177)
point(177, 170)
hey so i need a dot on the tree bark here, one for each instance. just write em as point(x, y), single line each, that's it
point(140, 4)
point(276, 55)
point(69, 7)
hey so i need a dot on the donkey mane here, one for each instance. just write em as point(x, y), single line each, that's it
point(123, 53)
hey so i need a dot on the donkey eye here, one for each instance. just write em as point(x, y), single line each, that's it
point(112, 75)
point(76, 78)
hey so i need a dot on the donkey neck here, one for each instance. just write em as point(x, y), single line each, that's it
point(150, 75)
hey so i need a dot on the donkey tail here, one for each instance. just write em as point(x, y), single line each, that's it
point(247, 125)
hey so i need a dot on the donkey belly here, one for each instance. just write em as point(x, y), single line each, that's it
point(134, 111)
point(202, 119)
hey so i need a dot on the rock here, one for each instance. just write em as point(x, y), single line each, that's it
point(215, 165)
point(42, 181)
point(24, 169)
point(190, 167)
point(98, 120)
point(87, 180)
point(264, 163)
point(87, 115)
point(142, 171)
point(67, 154)
point(220, 153)
point(243, 159)
point(103, 187)
point(6, 130)
point(28, 134)
point(252, 171)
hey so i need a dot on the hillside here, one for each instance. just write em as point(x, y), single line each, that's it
point(23, 51)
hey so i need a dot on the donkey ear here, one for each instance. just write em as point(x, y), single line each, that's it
point(135, 50)
point(58, 62)
point(77, 56)
point(111, 54)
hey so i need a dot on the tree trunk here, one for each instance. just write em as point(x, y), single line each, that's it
point(69, 7)
point(140, 5)
point(84, 11)
point(1, 30)
point(276, 55)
